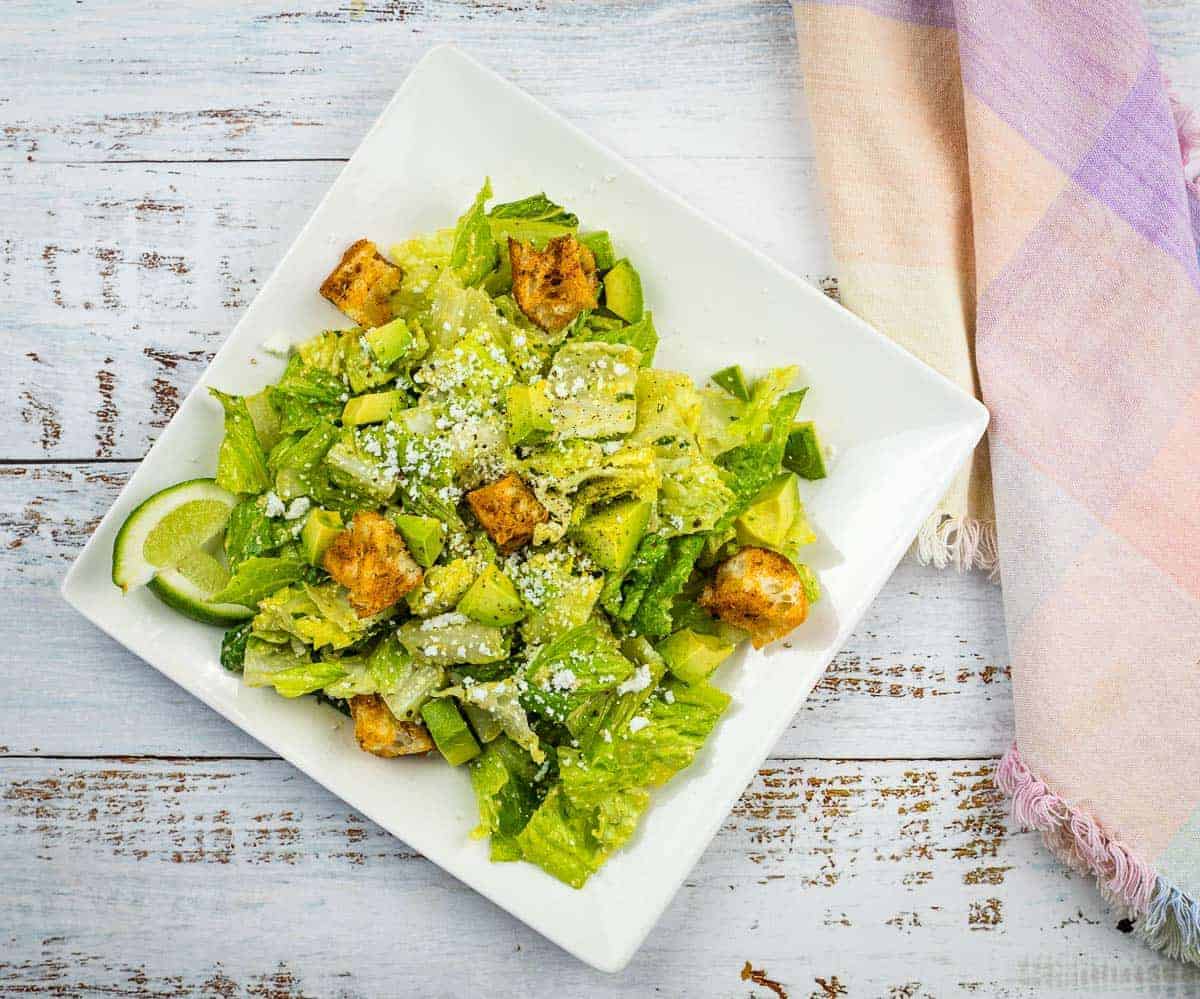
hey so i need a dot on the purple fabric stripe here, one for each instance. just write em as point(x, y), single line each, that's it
point(1134, 168)
point(1194, 208)
point(932, 13)
point(1053, 72)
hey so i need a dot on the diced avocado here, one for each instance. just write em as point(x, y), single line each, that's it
point(371, 408)
point(492, 599)
point(804, 455)
point(770, 516)
point(424, 536)
point(623, 291)
point(733, 381)
point(611, 535)
point(390, 342)
point(321, 527)
point(602, 249)
point(486, 727)
point(692, 656)
point(605, 324)
point(528, 414)
point(449, 730)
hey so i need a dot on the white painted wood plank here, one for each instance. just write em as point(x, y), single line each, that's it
point(122, 280)
point(924, 675)
point(130, 79)
point(888, 879)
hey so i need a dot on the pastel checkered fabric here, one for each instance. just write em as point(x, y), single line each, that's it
point(1008, 199)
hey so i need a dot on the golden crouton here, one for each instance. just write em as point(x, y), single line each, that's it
point(552, 286)
point(369, 559)
point(508, 511)
point(380, 732)
point(758, 591)
point(362, 283)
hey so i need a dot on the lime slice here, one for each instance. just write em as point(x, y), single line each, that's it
point(167, 527)
point(190, 585)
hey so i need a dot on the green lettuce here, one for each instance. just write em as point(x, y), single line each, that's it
point(317, 615)
point(535, 220)
point(749, 467)
point(502, 700)
point(503, 778)
point(625, 601)
point(292, 674)
point(590, 389)
point(305, 396)
point(565, 676)
point(726, 422)
point(259, 577)
point(641, 335)
point(251, 532)
point(241, 464)
point(557, 596)
point(453, 638)
point(653, 615)
point(559, 838)
point(475, 253)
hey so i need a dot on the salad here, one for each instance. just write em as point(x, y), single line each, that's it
point(479, 522)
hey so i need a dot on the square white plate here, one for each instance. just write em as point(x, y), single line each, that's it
point(899, 429)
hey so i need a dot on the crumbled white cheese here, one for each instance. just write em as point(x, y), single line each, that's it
point(277, 344)
point(640, 680)
point(637, 723)
point(564, 679)
point(669, 696)
point(274, 505)
point(297, 508)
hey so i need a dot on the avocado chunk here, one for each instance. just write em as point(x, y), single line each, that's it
point(424, 536)
point(390, 342)
point(371, 408)
point(692, 656)
point(602, 249)
point(486, 727)
point(733, 381)
point(528, 414)
point(769, 518)
point(804, 455)
point(319, 530)
point(611, 535)
point(623, 291)
point(492, 599)
point(449, 730)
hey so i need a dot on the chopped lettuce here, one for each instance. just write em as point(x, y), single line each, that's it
point(504, 780)
point(640, 335)
point(259, 577)
point(319, 616)
point(748, 467)
point(241, 464)
point(453, 638)
point(566, 675)
point(653, 615)
point(535, 220)
point(291, 673)
point(475, 253)
point(251, 532)
point(305, 396)
point(725, 421)
point(502, 700)
point(590, 389)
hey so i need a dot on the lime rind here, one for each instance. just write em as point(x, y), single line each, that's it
point(130, 565)
point(177, 591)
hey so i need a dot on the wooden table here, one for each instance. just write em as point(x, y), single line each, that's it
point(156, 160)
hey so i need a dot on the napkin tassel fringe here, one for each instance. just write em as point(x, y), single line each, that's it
point(961, 542)
point(1169, 920)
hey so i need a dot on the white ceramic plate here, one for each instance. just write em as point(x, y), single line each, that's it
point(900, 432)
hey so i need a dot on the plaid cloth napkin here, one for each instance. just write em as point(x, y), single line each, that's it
point(1008, 195)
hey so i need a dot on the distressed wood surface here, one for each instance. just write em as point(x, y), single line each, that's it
point(831, 878)
point(155, 162)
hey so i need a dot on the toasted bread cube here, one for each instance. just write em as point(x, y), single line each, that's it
point(381, 733)
point(362, 283)
point(370, 559)
point(552, 286)
point(508, 511)
point(758, 591)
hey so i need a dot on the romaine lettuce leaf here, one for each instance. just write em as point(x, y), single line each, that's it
point(251, 532)
point(305, 396)
point(590, 388)
point(502, 700)
point(567, 674)
point(748, 468)
point(653, 615)
point(241, 464)
point(557, 597)
point(535, 220)
point(290, 673)
point(317, 615)
point(503, 778)
point(641, 335)
point(559, 838)
point(475, 253)
point(453, 638)
point(725, 421)
point(651, 550)
point(258, 577)
point(422, 259)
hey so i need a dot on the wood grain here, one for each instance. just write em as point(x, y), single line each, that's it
point(826, 872)
point(928, 661)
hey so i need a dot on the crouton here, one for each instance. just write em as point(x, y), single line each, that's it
point(508, 511)
point(381, 733)
point(369, 559)
point(758, 591)
point(552, 286)
point(362, 283)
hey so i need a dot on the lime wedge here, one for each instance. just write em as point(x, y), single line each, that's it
point(167, 544)
point(167, 527)
point(190, 586)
